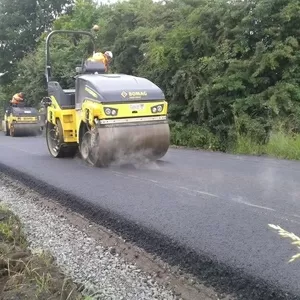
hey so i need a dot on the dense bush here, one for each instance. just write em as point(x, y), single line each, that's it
point(230, 70)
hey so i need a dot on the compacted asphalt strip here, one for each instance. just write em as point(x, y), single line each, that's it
point(216, 205)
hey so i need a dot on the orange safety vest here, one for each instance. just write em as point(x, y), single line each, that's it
point(100, 57)
point(16, 99)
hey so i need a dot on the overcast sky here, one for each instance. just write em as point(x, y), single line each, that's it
point(113, 1)
point(106, 1)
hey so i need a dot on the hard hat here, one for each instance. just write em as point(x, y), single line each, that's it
point(96, 27)
point(109, 54)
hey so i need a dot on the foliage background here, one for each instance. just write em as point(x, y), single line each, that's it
point(230, 70)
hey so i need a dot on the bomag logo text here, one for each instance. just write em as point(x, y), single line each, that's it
point(137, 94)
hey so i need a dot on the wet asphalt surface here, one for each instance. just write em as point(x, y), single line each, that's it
point(218, 206)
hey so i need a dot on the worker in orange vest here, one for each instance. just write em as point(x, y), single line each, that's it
point(104, 58)
point(17, 98)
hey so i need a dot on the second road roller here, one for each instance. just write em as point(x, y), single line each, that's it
point(106, 118)
point(21, 120)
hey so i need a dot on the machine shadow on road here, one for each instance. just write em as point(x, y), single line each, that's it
point(141, 166)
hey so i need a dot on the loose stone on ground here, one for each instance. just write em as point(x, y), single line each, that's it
point(104, 274)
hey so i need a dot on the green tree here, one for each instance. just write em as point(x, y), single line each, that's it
point(21, 25)
point(228, 69)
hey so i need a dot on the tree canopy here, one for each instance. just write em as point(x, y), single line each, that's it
point(227, 68)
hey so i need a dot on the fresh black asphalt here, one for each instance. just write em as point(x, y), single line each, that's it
point(208, 212)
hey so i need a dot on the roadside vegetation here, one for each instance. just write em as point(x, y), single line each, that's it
point(230, 70)
point(295, 240)
point(26, 275)
point(280, 145)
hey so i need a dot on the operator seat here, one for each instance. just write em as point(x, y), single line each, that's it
point(64, 97)
point(92, 67)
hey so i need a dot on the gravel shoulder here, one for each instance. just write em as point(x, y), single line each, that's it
point(94, 257)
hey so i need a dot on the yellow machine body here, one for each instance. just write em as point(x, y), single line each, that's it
point(122, 125)
point(71, 119)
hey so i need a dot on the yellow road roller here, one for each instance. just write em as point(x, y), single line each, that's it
point(20, 121)
point(106, 118)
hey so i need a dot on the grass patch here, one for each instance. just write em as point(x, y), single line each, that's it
point(26, 275)
point(284, 146)
point(244, 145)
point(280, 145)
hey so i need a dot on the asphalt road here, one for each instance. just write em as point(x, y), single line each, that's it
point(218, 205)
